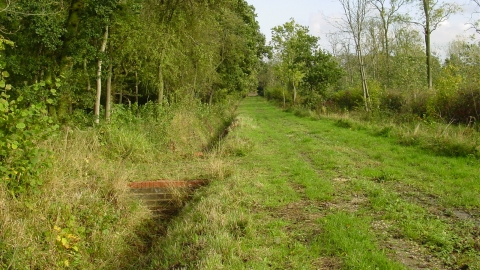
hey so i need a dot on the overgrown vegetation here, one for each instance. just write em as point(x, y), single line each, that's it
point(166, 75)
point(83, 215)
point(309, 194)
point(285, 193)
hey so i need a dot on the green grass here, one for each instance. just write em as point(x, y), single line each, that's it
point(287, 193)
point(84, 216)
point(310, 194)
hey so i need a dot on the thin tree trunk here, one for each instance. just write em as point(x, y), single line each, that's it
point(294, 93)
point(427, 33)
point(387, 49)
point(366, 94)
point(89, 86)
point(161, 84)
point(195, 82)
point(114, 93)
point(136, 86)
point(108, 100)
point(99, 78)
point(210, 99)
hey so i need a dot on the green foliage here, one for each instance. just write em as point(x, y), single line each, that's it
point(277, 93)
point(348, 99)
point(299, 64)
point(392, 101)
point(210, 52)
point(323, 71)
point(21, 129)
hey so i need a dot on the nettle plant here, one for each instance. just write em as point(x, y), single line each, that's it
point(22, 127)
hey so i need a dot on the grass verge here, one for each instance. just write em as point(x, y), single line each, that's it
point(84, 216)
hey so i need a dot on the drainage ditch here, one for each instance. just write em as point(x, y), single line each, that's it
point(165, 197)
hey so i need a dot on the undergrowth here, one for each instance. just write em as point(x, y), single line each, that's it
point(83, 215)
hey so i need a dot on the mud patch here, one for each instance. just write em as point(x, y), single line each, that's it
point(327, 263)
point(409, 253)
point(349, 205)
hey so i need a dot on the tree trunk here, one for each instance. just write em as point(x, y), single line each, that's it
point(99, 78)
point(108, 100)
point(210, 99)
point(71, 27)
point(427, 33)
point(136, 86)
point(89, 86)
point(386, 46)
point(363, 74)
point(161, 84)
point(294, 93)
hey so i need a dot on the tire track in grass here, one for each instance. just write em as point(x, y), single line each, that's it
point(413, 254)
point(307, 216)
point(307, 194)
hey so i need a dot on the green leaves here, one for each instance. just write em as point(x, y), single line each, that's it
point(299, 63)
point(21, 126)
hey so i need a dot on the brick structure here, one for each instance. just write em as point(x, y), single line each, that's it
point(165, 196)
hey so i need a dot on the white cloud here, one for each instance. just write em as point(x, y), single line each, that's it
point(445, 24)
point(316, 24)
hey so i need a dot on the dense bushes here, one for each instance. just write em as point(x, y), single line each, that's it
point(462, 107)
point(278, 93)
point(348, 99)
point(392, 101)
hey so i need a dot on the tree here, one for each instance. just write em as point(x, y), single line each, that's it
point(476, 25)
point(188, 49)
point(355, 16)
point(322, 72)
point(388, 15)
point(433, 14)
point(292, 46)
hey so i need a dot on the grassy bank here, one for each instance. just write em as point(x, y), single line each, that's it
point(306, 194)
point(83, 216)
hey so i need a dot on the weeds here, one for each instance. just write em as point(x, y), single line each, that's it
point(312, 195)
point(83, 216)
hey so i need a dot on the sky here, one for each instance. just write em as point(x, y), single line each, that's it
point(318, 15)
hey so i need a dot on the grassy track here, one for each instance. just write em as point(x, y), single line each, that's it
point(308, 194)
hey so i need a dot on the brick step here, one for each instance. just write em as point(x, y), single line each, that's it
point(159, 196)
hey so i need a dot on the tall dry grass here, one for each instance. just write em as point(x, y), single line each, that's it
point(83, 215)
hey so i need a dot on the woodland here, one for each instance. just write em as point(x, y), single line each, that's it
point(97, 93)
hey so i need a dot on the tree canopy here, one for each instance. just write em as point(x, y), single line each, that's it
point(154, 50)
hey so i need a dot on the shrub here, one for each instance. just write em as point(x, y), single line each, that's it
point(348, 99)
point(466, 106)
point(417, 104)
point(392, 101)
point(276, 93)
point(22, 127)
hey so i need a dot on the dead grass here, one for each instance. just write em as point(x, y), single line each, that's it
point(84, 216)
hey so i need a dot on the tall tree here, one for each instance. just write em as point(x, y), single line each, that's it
point(433, 14)
point(355, 12)
point(388, 15)
point(292, 45)
point(476, 24)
